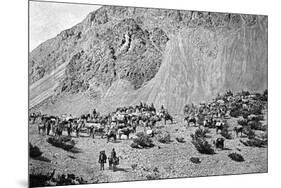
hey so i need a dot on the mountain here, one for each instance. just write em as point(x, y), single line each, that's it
point(121, 56)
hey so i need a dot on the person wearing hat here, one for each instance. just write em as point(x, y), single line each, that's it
point(102, 159)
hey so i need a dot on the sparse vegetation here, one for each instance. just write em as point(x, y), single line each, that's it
point(201, 133)
point(236, 157)
point(65, 143)
point(255, 142)
point(180, 139)
point(34, 151)
point(142, 141)
point(234, 113)
point(249, 132)
point(256, 125)
point(164, 137)
point(242, 122)
point(200, 143)
point(195, 160)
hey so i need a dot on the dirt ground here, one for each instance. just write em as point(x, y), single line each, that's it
point(161, 161)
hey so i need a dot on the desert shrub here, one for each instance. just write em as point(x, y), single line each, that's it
point(234, 113)
point(201, 133)
point(65, 143)
point(195, 160)
point(245, 114)
point(249, 132)
point(242, 122)
point(69, 179)
point(253, 117)
point(236, 157)
point(164, 137)
point(256, 125)
point(256, 109)
point(34, 151)
point(202, 145)
point(134, 166)
point(255, 142)
point(154, 175)
point(180, 139)
point(142, 141)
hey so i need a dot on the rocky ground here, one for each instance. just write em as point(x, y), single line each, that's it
point(161, 161)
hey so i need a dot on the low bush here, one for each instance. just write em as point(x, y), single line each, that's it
point(34, 151)
point(256, 125)
point(245, 113)
point(253, 117)
point(234, 113)
point(142, 141)
point(180, 139)
point(202, 145)
point(195, 160)
point(242, 122)
point(236, 157)
point(164, 137)
point(255, 142)
point(65, 143)
point(249, 132)
point(201, 133)
point(256, 109)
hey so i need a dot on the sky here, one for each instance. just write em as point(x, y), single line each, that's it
point(47, 19)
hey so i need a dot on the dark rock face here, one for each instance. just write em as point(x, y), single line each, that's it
point(163, 56)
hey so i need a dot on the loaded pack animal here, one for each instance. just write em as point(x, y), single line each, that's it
point(125, 131)
point(93, 127)
point(190, 119)
point(238, 129)
point(34, 116)
point(111, 133)
point(42, 125)
point(219, 143)
point(219, 125)
point(113, 160)
point(166, 116)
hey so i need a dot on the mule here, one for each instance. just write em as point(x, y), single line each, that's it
point(113, 162)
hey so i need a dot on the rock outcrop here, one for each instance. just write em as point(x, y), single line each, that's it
point(120, 56)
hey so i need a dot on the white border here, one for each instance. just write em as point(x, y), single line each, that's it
point(13, 77)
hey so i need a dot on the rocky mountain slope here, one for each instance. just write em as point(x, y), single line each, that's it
point(120, 56)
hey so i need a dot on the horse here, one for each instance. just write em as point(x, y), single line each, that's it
point(112, 133)
point(90, 126)
point(190, 120)
point(166, 116)
point(238, 129)
point(41, 126)
point(219, 143)
point(113, 162)
point(125, 131)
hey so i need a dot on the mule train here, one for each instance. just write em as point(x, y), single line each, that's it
point(123, 121)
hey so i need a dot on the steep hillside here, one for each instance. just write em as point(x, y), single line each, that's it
point(120, 56)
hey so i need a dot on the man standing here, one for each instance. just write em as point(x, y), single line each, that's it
point(102, 159)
